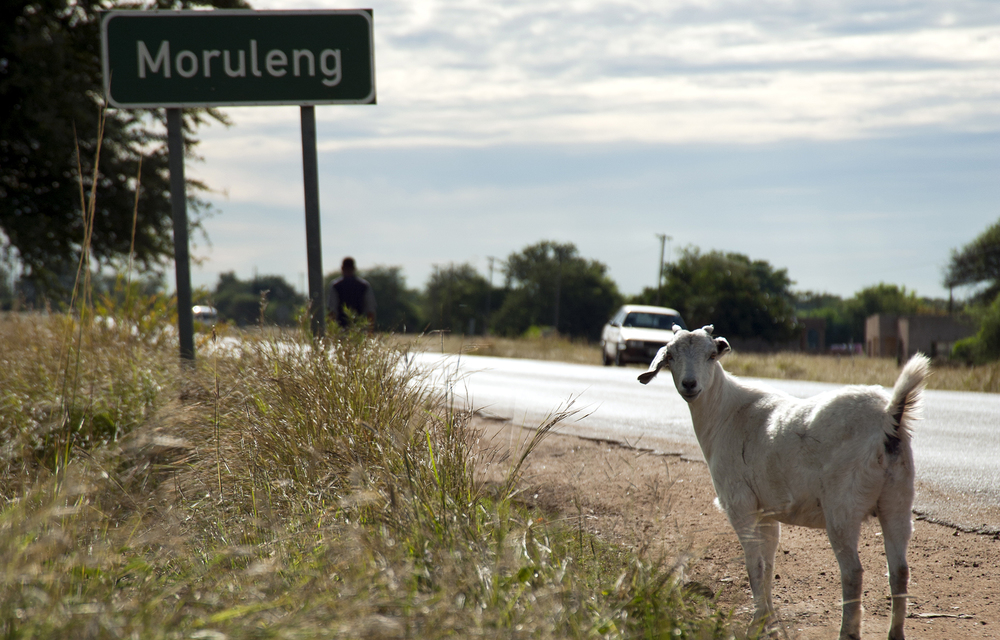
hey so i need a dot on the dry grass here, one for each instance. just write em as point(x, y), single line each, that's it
point(861, 370)
point(786, 366)
point(542, 348)
point(279, 490)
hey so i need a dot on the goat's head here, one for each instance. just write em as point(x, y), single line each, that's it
point(692, 357)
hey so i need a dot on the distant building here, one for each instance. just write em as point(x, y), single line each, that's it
point(890, 336)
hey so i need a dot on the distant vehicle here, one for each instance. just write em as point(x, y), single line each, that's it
point(636, 332)
point(204, 312)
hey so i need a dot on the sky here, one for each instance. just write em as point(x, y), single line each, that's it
point(851, 142)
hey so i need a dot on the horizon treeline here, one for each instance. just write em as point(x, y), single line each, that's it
point(548, 287)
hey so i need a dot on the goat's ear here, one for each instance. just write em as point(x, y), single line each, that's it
point(659, 362)
point(721, 347)
point(676, 328)
point(708, 328)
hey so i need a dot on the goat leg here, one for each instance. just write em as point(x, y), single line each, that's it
point(759, 538)
point(844, 540)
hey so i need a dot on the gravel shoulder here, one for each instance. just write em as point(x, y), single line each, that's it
point(663, 505)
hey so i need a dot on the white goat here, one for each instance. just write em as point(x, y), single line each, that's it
point(829, 461)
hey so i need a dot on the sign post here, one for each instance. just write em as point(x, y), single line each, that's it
point(182, 258)
point(314, 249)
point(185, 59)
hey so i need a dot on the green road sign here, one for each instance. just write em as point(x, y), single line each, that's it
point(219, 58)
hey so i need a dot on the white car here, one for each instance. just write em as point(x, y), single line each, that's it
point(204, 313)
point(636, 332)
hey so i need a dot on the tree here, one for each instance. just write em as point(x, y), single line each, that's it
point(742, 298)
point(831, 308)
point(881, 298)
point(550, 284)
point(455, 299)
point(51, 128)
point(985, 345)
point(976, 263)
point(267, 298)
point(398, 307)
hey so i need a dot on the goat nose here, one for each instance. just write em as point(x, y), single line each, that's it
point(689, 384)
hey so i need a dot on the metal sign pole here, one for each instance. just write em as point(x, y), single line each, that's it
point(183, 59)
point(182, 261)
point(314, 251)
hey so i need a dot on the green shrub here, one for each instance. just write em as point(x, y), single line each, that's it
point(989, 331)
point(966, 350)
point(985, 345)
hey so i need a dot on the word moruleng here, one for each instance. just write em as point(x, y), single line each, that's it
point(189, 64)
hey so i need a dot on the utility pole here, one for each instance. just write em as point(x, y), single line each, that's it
point(659, 272)
point(555, 321)
point(489, 293)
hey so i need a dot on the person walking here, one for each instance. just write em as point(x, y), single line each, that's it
point(351, 292)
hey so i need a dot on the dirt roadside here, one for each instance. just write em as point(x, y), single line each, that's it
point(665, 504)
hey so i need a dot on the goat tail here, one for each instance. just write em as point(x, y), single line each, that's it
point(907, 395)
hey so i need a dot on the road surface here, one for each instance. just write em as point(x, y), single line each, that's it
point(956, 446)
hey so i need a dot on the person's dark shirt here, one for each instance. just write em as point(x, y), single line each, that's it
point(351, 293)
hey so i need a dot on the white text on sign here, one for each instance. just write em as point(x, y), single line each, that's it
point(188, 64)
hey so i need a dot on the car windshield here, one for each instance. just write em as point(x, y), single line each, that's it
point(645, 320)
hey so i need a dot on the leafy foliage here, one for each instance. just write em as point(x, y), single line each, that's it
point(398, 307)
point(845, 319)
point(985, 345)
point(832, 309)
point(140, 307)
point(742, 298)
point(267, 298)
point(455, 299)
point(881, 298)
point(978, 262)
point(550, 284)
point(51, 124)
point(60, 391)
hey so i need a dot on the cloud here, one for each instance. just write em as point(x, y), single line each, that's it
point(477, 72)
point(829, 137)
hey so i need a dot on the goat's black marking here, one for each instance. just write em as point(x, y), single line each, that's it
point(897, 417)
point(908, 405)
point(892, 445)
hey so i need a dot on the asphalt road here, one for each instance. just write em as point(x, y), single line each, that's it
point(956, 445)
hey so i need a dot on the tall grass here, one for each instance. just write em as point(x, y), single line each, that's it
point(278, 489)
